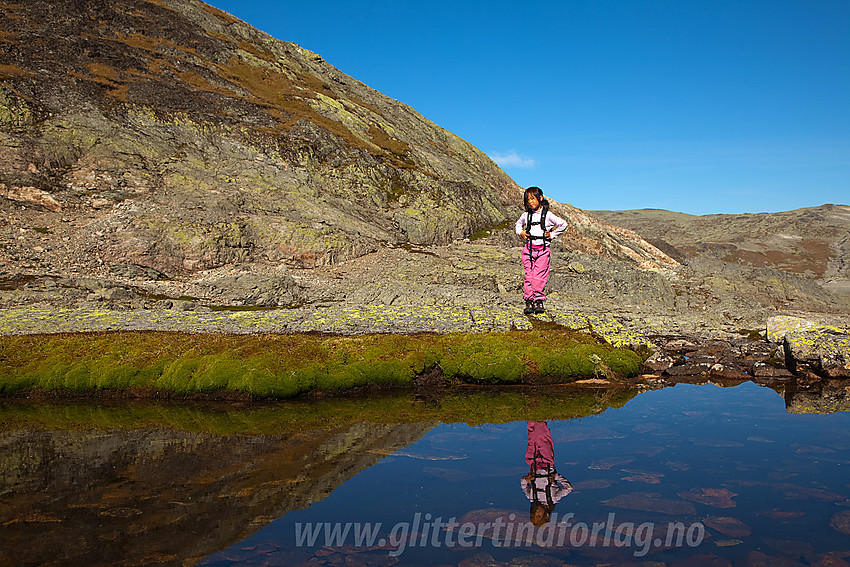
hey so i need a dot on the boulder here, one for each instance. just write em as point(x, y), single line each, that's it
point(690, 369)
point(825, 351)
point(764, 370)
point(728, 371)
point(810, 347)
point(680, 345)
point(252, 289)
point(660, 361)
point(779, 326)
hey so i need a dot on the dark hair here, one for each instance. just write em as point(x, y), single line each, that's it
point(540, 513)
point(537, 192)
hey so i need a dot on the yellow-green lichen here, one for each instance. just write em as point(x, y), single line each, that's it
point(14, 111)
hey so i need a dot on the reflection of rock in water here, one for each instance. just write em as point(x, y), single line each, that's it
point(166, 497)
point(828, 396)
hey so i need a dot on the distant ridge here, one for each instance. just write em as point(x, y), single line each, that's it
point(813, 242)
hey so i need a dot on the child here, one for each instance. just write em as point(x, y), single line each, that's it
point(543, 486)
point(535, 254)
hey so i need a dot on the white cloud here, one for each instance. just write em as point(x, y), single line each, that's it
point(512, 159)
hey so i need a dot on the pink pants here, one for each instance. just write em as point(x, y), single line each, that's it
point(540, 453)
point(535, 260)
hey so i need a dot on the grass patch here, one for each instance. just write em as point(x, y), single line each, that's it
point(164, 364)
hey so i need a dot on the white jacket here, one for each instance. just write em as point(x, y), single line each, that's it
point(554, 224)
point(545, 490)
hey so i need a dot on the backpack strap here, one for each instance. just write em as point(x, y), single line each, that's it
point(543, 218)
point(547, 489)
point(541, 222)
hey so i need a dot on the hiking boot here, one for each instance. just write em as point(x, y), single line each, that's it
point(538, 307)
point(529, 307)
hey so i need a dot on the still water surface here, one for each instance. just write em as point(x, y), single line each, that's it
point(691, 474)
point(688, 475)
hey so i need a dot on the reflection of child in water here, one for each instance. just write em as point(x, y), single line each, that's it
point(542, 485)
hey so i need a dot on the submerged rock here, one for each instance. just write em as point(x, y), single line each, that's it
point(840, 522)
point(651, 502)
point(731, 527)
point(718, 497)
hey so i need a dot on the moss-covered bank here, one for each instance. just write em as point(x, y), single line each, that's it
point(466, 404)
point(167, 364)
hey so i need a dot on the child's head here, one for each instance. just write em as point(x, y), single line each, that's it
point(540, 513)
point(533, 198)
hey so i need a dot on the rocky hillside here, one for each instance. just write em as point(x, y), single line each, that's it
point(813, 242)
point(159, 138)
point(160, 156)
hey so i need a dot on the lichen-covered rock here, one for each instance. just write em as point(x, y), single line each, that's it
point(825, 351)
point(811, 347)
point(781, 325)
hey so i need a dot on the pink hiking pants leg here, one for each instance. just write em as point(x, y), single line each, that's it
point(540, 452)
point(535, 260)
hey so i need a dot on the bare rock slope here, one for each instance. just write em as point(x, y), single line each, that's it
point(166, 137)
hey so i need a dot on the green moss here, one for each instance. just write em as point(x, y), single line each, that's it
point(284, 366)
point(571, 362)
point(482, 365)
point(623, 361)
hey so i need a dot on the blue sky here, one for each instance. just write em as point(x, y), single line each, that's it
point(694, 106)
